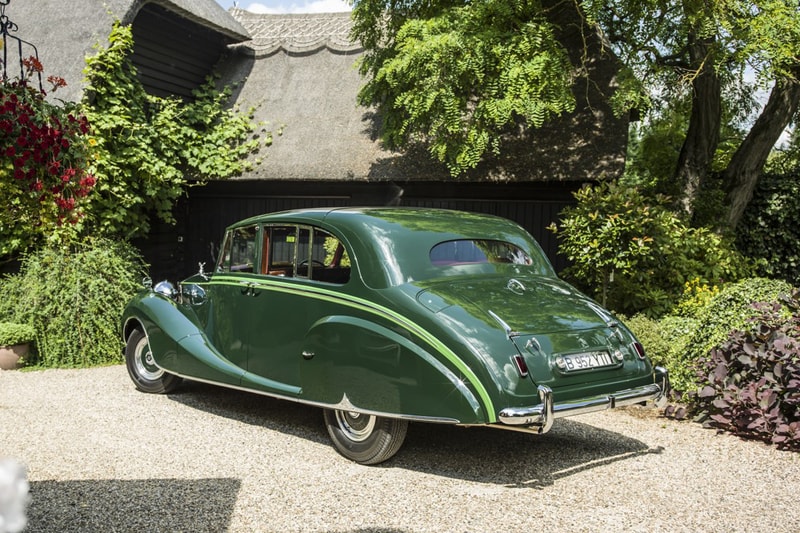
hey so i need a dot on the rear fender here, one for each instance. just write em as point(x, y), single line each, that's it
point(353, 363)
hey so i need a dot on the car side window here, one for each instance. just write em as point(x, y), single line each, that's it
point(304, 252)
point(279, 249)
point(328, 259)
point(239, 250)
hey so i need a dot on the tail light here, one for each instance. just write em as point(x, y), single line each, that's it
point(639, 350)
point(522, 366)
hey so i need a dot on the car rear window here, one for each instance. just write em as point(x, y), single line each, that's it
point(472, 252)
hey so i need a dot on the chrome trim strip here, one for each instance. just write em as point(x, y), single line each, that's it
point(509, 332)
point(341, 406)
point(540, 417)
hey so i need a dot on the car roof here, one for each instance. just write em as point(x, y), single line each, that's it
point(393, 237)
point(441, 221)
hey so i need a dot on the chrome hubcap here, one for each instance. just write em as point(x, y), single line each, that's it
point(356, 426)
point(145, 364)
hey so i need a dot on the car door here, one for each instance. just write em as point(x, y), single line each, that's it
point(299, 261)
point(232, 302)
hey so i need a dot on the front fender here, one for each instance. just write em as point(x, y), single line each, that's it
point(177, 343)
point(354, 363)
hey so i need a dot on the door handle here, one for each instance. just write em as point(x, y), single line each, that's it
point(250, 290)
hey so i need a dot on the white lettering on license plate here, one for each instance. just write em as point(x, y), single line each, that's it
point(584, 361)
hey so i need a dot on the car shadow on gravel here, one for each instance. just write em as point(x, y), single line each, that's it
point(481, 454)
point(515, 459)
point(285, 416)
point(152, 505)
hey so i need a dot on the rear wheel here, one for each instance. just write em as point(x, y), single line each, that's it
point(365, 439)
point(144, 372)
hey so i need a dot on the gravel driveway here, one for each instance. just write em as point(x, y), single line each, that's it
point(103, 457)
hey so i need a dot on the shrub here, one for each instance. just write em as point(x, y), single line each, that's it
point(12, 333)
point(666, 341)
point(770, 228)
point(702, 320)
point(730, 310)
point(634, 255)
point(74, 297)
point(751, 382)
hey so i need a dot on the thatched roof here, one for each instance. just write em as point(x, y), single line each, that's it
point(66, 32)
point(301, 72)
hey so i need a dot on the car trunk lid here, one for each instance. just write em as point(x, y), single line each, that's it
point(564, 337)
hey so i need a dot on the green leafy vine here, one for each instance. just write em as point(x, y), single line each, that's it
point(148, 149)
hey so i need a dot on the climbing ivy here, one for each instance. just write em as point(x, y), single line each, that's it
point(148, 149)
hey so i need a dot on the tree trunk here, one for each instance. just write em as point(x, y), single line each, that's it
point(744, 170)
point(702, 136)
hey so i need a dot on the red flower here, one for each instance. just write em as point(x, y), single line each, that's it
point(56, 81)
point(32, 64)
point(68, 175)
point(66, 204)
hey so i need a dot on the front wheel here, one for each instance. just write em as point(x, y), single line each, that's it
point(146, 375)
point(365, 439)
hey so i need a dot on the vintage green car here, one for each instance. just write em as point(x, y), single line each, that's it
point(382, 316)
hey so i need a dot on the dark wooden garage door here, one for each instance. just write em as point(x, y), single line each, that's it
point(175, 251)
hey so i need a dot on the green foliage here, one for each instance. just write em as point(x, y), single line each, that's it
point(73, 297)
point(653, 149)
point(786, 160)
point(654, 146)
point(750, 384)
point(12, 333)
point(147, 148)
point(655, 40)
point(770, 228)
point(729, 310)
point(459, 77)
point(636, 257)
point(696, 59)
point(766, 33)
point(666, 341)
point(702, 321)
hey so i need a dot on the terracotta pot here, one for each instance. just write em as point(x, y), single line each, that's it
point(10, 356)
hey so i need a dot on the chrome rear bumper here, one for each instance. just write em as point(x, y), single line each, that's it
point(540, 417)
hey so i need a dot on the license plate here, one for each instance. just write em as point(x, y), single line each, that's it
point(585, 361)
